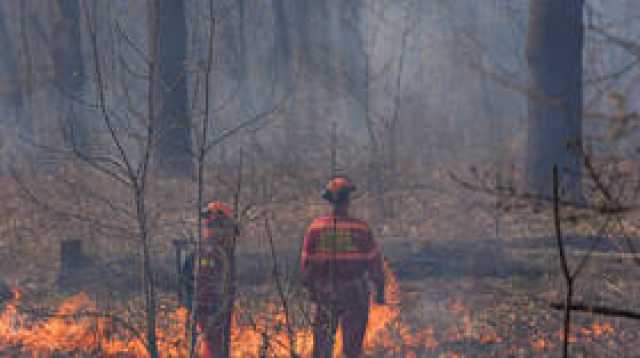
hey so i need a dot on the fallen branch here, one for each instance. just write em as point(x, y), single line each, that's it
point(599, 310)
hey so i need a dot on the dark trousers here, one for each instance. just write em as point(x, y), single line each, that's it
point(214, 328)
point(350, 311)
point(214, 308)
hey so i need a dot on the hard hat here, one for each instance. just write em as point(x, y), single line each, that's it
point(338, 189)
point(219, 209)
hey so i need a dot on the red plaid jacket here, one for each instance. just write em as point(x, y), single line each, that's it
point(341, 244)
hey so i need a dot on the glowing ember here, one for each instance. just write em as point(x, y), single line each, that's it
point(541, 344)
point(560, 336)
point(598, 329)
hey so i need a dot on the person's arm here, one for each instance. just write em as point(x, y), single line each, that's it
point(376, 268)
point(305, 266)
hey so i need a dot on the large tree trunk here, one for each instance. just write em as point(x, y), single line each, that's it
point(27, 81)
point(554, 53)
point(69, 72)
point(301, 54)
point(173, 132)
point(11, 95)
point(243, 64)
point(10, 88)
point(283, 65)
point(353, 68)
point(283, 57)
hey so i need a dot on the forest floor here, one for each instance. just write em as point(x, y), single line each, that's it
point(468, 298)
point(506, 287)
point(461, 293)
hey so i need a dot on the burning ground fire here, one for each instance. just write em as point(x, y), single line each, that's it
point(76, 328)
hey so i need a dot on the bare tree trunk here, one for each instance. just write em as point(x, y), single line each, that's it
point(566, 273)
point(173, 135)
point(354, 72)
point(135, 177)
point(230, 252)
point(11, 87)
point(392, 134)
point(139, 178)
point(201, 162)
point(243, 57)
point(376, 169)
point(69, 71)
point(26, 108)
point(283, 56)
point(8, 62)
point(284, 69)
point(376, 173)
point(555, 43)
point(360, 90)
point(301, 52)
point(149, 279)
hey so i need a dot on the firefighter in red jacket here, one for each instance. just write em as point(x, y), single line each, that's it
point(339, 259)
point(216, 291)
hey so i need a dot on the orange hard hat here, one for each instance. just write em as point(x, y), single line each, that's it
point(219, 209)
point(338, 189)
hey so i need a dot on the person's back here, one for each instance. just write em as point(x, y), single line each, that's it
point(338, 251)
point(338, 259)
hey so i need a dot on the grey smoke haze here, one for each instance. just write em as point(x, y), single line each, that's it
point(331, 59)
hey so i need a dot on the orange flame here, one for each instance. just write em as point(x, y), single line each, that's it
point(78, 328)
point(383, 323)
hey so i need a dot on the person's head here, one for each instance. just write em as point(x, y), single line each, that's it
point(218, 215)
point(338, 192)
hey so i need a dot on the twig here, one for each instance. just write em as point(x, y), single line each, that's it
point(242, 125)
point(569, 279)
point(603, 209)
point(280, 288)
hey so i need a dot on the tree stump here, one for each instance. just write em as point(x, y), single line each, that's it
point(73, 262)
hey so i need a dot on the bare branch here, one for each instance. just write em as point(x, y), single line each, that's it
point(247, 123)
point(102, 97)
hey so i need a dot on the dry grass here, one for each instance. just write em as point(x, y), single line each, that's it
point(496, 315)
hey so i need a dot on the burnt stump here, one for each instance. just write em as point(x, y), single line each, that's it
point(73, 263)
